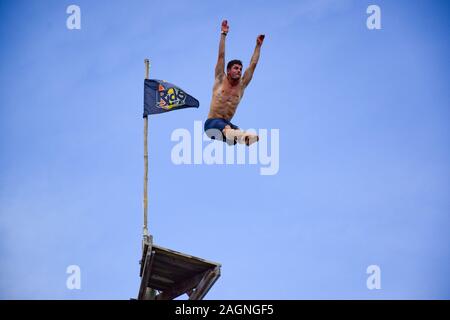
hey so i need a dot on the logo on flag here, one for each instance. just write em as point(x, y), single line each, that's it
point(161, 96)
point(170, 98)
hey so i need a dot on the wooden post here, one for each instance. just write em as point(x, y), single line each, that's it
point(146, 293)
point(145, 204)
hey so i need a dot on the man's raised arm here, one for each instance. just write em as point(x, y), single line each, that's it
point(248, 74)
point(220, 66)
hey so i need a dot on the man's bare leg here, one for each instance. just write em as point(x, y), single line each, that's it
point(241, 137)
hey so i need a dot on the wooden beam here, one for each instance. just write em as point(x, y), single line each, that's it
point(205, 284)
point(142, 261)
point(148, 263)
point(147, 243)
point(190, 292)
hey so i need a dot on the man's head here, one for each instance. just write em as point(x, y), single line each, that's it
point(234, 69)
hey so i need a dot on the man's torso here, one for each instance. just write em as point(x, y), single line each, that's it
point(225, 98)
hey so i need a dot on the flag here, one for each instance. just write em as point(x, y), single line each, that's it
point(161, 96)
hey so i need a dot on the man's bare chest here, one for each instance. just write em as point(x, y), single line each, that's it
point(226, 94)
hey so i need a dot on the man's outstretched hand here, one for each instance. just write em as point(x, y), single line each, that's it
point(260, 39)
point(225, 26)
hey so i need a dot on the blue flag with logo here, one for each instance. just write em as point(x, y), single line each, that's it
point(161, 96)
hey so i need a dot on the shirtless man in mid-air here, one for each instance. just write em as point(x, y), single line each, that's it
point(227, 93)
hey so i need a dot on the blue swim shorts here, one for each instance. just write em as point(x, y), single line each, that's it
point(218, 124)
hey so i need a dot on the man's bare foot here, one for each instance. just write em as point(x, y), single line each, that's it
point(237, 136)
point(250, 139)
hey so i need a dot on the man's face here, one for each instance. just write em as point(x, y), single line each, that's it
point(235, 71)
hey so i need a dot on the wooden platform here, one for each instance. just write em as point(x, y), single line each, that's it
point(173, 273)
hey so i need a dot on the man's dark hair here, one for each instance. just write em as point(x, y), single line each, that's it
point(233, 62)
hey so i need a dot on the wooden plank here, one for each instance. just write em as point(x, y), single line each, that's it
point(187, 257)
point(173, 261)
point(182, 263)
point(160, 283)
point(146, 273)
point(177, 269)
point(177, 266)
point(147, 243)
point(142, 262)
point(178, 276)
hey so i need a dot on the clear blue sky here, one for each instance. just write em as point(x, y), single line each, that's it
point(364, 148)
